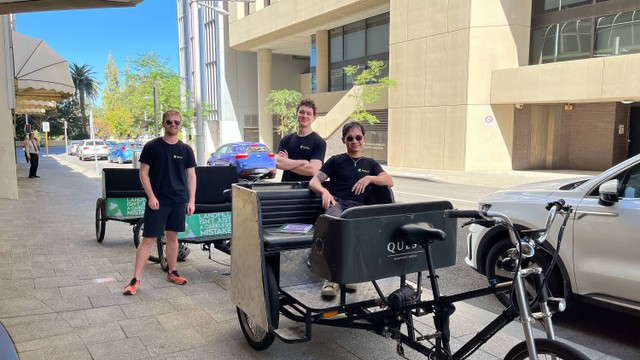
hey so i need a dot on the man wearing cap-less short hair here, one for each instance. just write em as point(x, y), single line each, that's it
point(350, 174)
point(31, 149)
point(301, 154)
point(168, 176)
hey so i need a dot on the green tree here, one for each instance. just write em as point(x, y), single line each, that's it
point(283, 104)
point(86, 86)
point(141, 76)
point(368, 85)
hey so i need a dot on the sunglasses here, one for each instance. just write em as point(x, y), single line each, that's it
point(169, 122)
point(351, 138)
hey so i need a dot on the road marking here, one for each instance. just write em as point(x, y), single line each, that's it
point(437, 197)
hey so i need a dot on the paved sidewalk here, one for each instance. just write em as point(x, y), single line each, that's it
point(61, 291)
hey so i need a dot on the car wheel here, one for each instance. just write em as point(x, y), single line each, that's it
point(494, 270)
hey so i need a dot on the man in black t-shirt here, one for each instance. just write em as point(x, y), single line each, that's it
point(168, 176)
point(301, 154)
point(350, 174)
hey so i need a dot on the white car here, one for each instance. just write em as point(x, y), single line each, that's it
point(600, 251)
point(89, 149)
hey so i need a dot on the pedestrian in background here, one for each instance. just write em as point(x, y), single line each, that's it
point(168, 176)
point(32, 148)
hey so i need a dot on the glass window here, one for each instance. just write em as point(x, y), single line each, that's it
point(575, 40)
point(378, 34)
point(354, 40)
point(336, 81)
point(618, 34)
point(543, 45)
point(335, 45)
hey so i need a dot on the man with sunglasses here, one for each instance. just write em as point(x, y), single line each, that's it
point(301, 154)
point(168, 176)
point(350, 174)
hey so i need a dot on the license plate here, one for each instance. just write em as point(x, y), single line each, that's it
point(261, 171)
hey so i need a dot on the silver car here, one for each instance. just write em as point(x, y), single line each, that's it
point(89, 149)
point(599, 255)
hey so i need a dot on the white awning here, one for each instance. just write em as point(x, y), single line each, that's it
point(21, 6)
point(42, 76)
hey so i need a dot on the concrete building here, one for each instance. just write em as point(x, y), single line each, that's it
point(482, 84)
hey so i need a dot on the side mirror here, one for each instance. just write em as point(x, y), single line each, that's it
point(608, 193)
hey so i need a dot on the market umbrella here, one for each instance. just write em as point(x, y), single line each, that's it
point(42, 76)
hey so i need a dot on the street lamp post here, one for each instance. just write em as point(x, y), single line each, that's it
point(155, 107)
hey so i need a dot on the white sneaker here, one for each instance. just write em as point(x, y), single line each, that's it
point(329, 289)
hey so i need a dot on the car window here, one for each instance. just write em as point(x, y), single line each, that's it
point(257, 149)
point(630, 183)
point(221, 150)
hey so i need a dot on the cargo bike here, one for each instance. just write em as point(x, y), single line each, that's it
point(385, 249)
point(123, 199)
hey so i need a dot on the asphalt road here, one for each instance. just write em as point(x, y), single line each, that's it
point(604, 330)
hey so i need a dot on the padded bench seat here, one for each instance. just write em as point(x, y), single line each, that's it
point(275, 240)
point(211, 208)
point(121, 183)
point(299, 206)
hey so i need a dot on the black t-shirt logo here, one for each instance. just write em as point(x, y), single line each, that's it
point(177, 157)
point(305, 147)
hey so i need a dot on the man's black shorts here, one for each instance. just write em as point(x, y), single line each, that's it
point(167, 217)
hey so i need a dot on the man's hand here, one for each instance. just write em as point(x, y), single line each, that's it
point(327, 200)
point(153, 203)
point(191, 207)
point(283, 154)
point(361, 185)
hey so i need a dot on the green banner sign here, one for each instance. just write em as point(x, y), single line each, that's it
point(126, 207)
point(210, 224)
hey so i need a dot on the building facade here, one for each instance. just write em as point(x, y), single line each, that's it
point(482, 84)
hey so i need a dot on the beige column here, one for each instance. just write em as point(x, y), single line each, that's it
point(264, 87)
point(322, 61)
point(8, 168)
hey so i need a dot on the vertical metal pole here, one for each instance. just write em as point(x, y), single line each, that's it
point(155, 107)
point(197, 80)
point(66, 144)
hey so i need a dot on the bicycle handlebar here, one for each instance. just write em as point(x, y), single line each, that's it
point(553, 207)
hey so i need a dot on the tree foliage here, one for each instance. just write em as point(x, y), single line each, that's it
point(368, 85)
point(283, 104)
point(86, 85)
point(126, 99)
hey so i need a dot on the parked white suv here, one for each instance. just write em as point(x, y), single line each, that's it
point(600, 252)
point(89, 149)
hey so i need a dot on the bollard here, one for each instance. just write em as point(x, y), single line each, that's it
point(134, 160)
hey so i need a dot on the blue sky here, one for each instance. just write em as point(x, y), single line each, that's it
point(87, 36)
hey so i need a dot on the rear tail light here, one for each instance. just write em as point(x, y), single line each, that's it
point(85, 147)
point(270, 154)
point(242, 156)
point(124, 148)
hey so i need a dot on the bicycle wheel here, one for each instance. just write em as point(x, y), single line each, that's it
point(101, 219)
point(154, 255)
point(547, 349)
point(258, 338)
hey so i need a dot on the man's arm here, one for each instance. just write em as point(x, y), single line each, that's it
point(192, 183)
point(284, 163)
point(308, 169)
point(316, 186)
point(146, 185)
point(382, 179)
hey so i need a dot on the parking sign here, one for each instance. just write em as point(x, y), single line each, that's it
point(45, 126)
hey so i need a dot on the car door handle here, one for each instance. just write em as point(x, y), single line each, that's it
point(582, 213)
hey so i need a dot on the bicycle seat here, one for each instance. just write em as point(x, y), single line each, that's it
point(421, 234)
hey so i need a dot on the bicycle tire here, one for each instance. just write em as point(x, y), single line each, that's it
point(258, 338)
point(101, 219)
point(546, 349)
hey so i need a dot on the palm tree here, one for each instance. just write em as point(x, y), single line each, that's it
point(86, 86)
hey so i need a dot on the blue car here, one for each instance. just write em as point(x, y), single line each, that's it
point(123, 152)
point(250, 158)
